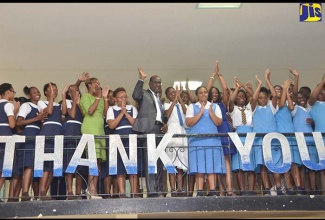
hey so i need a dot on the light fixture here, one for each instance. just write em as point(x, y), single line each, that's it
point(218, 5)
point(192, 85)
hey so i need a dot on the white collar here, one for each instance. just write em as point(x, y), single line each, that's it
point(117, 108)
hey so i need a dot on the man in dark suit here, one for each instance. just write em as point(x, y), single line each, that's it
point(150, 120)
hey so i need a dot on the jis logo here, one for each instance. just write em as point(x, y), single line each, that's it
point(310, 12)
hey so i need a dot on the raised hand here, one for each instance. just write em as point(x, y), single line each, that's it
point(249, 87)
point(105, 91)
point(84, 76)
point(76, 97)
point(258, 80)
point(267, 74)
point(286, 84)
point(238, 83)
point(216, 69)
point(142, 75)
point(186, 83)
point(65, 89)
point(181, 88)
point(51, 90)
point(293, 72)
point(178, 95)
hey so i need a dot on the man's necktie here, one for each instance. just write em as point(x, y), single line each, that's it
point(179, 115)
point(161, 107)
point(243, 116)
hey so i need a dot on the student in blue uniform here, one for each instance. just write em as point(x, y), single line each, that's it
point(229, 148)
point(317, 103)
point(8, 111)
point(264, 122)
point(206, 156)
point(73, 121)
point(302, 122)
point(51, 126)
point(120, 118)
point(30, 119)
point(241, 107)
point(284, 124)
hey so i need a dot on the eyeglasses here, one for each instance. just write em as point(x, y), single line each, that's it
point(13, 91)
point(157, 82)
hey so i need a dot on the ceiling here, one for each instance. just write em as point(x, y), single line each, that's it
point(56, 42)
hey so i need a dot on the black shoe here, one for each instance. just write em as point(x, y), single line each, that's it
point(115, 196)
point(230, 193)
point(152, 195)
point(289, 191)
point(44, 197)
point(199, 193)
point(303, 191)
point(25, 197)
point(279, 191)
point(212, 193)
point(267, 192)
point(123, 196)
point(13, 200)
point(242, 193)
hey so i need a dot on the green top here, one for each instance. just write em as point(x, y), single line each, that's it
point(94, 124)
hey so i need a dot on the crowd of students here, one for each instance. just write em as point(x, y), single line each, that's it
point(209, 161)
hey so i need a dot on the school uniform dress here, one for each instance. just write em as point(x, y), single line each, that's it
point(284, 124)
point(318, 116)
point(52, 126)
point(123, 128)
point(227, 144)
point(206, 154)
point(6, 109)
point(177, 148)
point(72, 128)
point(263, 122)
point(300, 115)
point(26, 156)
point(236, 116)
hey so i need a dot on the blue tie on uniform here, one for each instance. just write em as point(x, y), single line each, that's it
point(179, 115)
